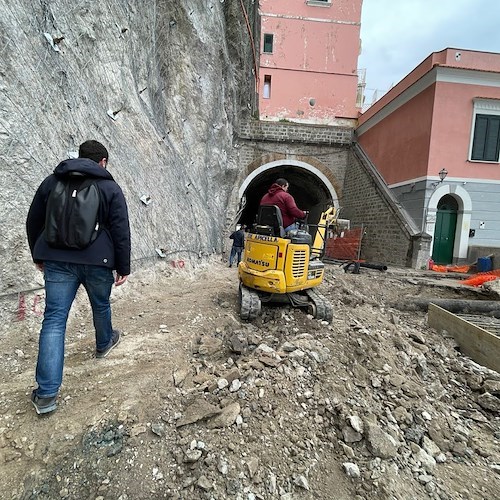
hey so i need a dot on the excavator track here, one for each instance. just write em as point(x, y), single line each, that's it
point(320, 307)
point(250, 304)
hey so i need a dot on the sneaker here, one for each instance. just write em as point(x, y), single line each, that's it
point(115, 340)
point(43, 405)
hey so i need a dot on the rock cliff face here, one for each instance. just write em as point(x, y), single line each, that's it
point(160, 83)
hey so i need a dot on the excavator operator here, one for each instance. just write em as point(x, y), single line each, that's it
point(278, 195)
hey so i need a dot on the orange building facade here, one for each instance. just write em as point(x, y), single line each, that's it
point(308, 61)
point(443, 117)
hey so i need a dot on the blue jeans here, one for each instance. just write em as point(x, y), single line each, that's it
point(235, 252)
point(291, 227)
point(62, 281)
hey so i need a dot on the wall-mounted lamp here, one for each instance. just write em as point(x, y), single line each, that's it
point(442, 176)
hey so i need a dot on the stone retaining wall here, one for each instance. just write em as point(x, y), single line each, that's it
point(391, 236)
point(293, 132)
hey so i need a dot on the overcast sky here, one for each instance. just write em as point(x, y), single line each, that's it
point(397, 35)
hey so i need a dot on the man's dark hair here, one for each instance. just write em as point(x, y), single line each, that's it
point(281, 182)
point(93, 150)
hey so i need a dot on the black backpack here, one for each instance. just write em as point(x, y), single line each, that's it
point(72, 214)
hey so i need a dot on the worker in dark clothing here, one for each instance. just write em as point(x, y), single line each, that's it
point(106, 261)
point(278, 195)
point(238, 238)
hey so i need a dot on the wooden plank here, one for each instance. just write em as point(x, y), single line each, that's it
point(490, 324)
point(480, 345)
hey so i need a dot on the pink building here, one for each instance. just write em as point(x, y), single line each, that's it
point(443, 116)
point(308, 61)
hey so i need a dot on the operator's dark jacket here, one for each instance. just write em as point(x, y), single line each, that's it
point(285, 202)
point(112, 246)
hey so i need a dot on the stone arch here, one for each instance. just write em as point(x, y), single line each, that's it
point(312, 185)
point(319, 171)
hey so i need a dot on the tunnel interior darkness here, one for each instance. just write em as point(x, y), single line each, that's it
point(308, 190)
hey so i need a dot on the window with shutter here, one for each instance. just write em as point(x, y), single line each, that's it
point(485, 133)
point(486, 142)
point(268, 43)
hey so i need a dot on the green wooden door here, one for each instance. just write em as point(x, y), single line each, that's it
point(444, 233)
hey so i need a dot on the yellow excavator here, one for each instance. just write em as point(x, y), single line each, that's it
point(284, 268)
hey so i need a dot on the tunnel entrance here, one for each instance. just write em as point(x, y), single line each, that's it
point(310, 188)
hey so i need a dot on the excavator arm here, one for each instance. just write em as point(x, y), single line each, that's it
point(328, 217)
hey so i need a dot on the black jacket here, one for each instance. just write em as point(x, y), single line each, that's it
point(111, 248)
point(238, 238)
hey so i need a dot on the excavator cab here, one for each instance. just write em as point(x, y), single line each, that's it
point(283, 267)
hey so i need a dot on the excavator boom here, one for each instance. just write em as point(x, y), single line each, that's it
point(327, 218)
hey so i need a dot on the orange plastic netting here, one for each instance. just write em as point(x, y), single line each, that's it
point(495, 272)
point(479, 279)
point(474, 280)
point(451, 269)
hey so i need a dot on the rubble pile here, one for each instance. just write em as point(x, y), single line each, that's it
point(373, 405)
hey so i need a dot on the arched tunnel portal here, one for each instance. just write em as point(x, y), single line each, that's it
point(311, 188)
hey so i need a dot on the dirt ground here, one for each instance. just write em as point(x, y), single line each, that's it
point(194, 403)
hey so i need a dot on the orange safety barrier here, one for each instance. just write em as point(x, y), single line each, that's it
point(450, 269)
point(459, 269)
point(478, 279)
point(345, 246)
point(439, 269)
point(495, 272)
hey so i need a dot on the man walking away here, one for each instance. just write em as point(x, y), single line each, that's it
point(238, 238)
point(78, 233)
